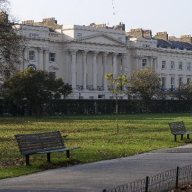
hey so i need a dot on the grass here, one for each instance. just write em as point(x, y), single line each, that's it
point(96, 134)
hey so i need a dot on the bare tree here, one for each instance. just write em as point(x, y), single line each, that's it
point(11, 43)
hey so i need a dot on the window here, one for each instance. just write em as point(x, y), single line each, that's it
point(52, 57)
point(145, 45)
point(32, 55)
point(163, 82)
point(172, 65)
point(188, 66)
point(144, 62)
point(101, 96)
point(180, 65)
point(188, 81)
point(32, 67)
point(172, 82)
point(52, 75)
point(33, 35)
point(163, 65)
point(180, 81)
point(79, 35)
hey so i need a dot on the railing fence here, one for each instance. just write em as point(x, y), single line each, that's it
point(161, 182)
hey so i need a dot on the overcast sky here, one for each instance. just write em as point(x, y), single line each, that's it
point(173, 16)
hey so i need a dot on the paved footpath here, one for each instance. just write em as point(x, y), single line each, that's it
point(94, 177)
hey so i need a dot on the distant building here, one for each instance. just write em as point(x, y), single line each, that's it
point(82, 55)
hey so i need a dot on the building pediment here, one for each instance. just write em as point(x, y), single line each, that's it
point(100, 39)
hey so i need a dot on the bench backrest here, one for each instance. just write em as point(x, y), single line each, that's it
point(177, 127)
point(31, 143)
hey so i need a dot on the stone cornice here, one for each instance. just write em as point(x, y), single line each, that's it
point(92, 29)
point(94, 43)
point(161, 50)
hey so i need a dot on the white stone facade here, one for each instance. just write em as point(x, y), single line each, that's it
point(82, 55)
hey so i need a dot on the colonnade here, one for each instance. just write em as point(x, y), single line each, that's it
point(119, 62)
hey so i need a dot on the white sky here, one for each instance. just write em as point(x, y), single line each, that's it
point(173, 16)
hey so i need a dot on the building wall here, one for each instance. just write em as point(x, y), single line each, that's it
point(84, 54)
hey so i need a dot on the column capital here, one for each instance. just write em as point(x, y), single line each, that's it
point(115, 54)
point(95, 53)
point(105, 54)
point(46, 51)
point(85, 52)
point(124, 54)
point(73, 51)
point(40, 49)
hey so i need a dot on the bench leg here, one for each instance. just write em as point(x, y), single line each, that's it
point(175, 137)
point(27, 159)
point(68, 154)
point(49, 157)
point(187, 136)
point(181, 137)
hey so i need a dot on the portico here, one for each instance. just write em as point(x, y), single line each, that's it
point(88, 68)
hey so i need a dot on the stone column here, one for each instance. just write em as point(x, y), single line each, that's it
point(115, 67)
point(124, 63)
point(85, 69)
point(105, 71)
point(137, 63)
point(95, 70)
point(46, 60)
point(40, 58)
point(150, 62)
point(25, 59)
point(74, 68)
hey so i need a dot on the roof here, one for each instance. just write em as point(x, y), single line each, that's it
point(174, 44)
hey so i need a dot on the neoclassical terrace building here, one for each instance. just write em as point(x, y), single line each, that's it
point(82, 55)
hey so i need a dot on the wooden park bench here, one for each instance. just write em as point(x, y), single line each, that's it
point(40, 143)
point(178, 128)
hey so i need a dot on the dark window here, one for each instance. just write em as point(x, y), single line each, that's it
point(52, 57)
point(52, 75)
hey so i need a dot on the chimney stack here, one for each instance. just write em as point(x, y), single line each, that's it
point(162, 35)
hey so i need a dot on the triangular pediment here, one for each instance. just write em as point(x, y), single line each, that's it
point(101, 39)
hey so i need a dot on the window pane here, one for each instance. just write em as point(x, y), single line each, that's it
point(52, 57)
point(32, 55)
point(144, 62)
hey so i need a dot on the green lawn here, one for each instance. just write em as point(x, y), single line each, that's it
point(96, 134)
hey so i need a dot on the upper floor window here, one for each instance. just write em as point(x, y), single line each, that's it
point(33, 35)
point(52, 57)
point(188, 66)
point(144, 62)
point(163, 65)
point(180, 65)
point(145, 45)
point(172, 65)
point(79, 35)
point(32, 55)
